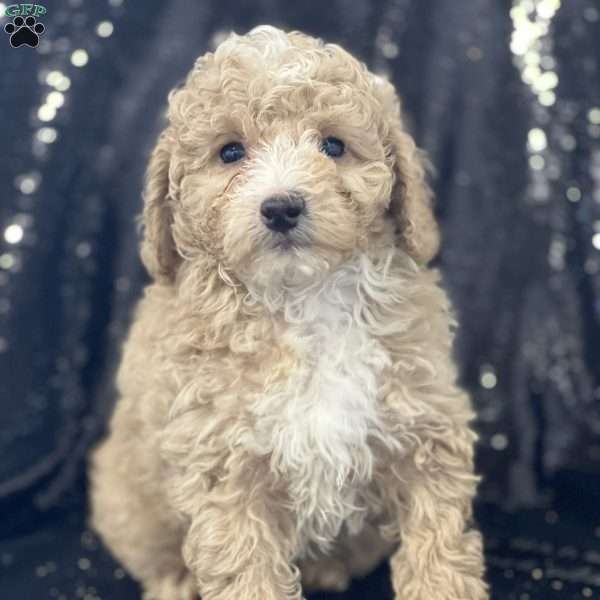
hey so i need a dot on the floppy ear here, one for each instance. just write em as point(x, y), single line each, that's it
point(159, 254)
point(411, 200)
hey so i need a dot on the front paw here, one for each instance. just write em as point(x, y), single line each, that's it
point(439, 584)
point(251, 584)
point(430, 570)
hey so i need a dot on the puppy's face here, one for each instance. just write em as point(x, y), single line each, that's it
point(283, 156)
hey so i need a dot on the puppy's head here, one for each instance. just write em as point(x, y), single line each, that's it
point(283, 155)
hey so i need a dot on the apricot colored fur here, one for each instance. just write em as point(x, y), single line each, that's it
point(289, 417)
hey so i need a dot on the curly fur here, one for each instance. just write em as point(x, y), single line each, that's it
point(289, 413)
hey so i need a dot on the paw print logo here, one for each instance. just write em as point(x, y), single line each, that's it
point(24, 31)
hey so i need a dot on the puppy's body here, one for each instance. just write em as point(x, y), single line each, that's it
point(292, 405)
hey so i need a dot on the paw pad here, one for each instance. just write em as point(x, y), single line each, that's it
point(24, 31)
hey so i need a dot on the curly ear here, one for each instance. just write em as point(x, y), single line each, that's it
point(411, 200)
point(159, 254)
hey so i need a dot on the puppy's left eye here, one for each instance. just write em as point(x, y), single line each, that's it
point(232, 152)
point(332, 147)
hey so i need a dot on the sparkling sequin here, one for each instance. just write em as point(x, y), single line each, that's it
point(46, 113)
point(79, 58)
point(13, 234)
point(7, 261)
point(46, 135)
point(537, 139)
point(84, 564)
point(488, 377)
point(104, 29)
point(499, 441)
point(594, 116)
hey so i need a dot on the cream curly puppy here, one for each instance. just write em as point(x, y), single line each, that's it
point(289, 413)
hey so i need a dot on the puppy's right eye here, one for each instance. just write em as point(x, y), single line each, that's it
point(333, 147)
point(232, 152)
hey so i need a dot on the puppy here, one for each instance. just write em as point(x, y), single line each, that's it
point(289, 413)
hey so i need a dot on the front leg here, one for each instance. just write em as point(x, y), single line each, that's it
point(440, 557)
point(239, 546)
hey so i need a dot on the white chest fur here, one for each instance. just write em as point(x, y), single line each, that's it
point(317, 425)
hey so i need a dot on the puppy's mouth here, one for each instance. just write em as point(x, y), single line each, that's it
point(286, 242)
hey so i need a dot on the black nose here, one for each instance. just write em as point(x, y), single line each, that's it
point(281, 213)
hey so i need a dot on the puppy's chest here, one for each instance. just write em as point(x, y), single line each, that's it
point(317, 424)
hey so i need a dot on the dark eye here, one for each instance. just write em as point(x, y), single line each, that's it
point(332, 147)
point(232, 152)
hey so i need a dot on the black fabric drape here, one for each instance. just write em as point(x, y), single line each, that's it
point(505, 98)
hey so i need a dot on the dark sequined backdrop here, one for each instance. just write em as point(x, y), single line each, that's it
point(505, 97)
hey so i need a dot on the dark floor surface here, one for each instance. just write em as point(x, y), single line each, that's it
point(537, 554)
